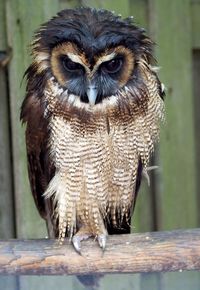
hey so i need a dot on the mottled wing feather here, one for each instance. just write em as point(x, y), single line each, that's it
point(40, 168)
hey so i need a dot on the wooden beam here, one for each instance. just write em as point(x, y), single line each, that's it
point(149, 252)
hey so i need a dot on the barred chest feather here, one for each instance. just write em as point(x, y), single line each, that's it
point(97, 157)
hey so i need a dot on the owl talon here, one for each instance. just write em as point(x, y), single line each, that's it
point(77, 244)
point(102, 241)
point(76, 241)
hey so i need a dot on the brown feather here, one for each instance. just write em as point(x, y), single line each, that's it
point(40, 168)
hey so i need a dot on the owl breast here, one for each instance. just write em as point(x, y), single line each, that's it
point(95, 172)
point(96, 155)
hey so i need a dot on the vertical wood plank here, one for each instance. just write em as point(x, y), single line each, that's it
point(170, 25)
point(7, 223)
point(180, 280)
point(25, 210)
point(196, 90)
point(195, 23)
point(177, 192)
point(7, 227)
point(151, 281)
point(23, 17)
point(48, 282)
point(120, 282)
point(195, 19)
point(9, 282)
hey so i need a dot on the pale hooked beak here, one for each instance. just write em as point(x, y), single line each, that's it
point(92, 94)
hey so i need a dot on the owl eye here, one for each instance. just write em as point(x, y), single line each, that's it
point(70, 65)
point(112, 66)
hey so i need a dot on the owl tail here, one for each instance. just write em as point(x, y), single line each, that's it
point(64, 207)
point(91, 282)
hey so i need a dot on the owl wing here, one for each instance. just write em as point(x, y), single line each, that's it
point(40, 167)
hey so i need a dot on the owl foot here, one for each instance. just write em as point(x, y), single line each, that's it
point(84, 234)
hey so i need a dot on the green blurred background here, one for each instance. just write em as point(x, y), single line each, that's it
point(172, 201)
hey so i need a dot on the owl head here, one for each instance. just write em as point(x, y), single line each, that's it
point(93, 55)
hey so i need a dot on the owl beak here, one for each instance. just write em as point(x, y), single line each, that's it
point(92, 94)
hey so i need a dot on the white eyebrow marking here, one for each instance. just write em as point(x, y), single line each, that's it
point(105, 58)
point(76, 58)
point(102, 59)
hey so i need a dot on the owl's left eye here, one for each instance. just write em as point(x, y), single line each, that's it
point(70, 65)
point(112, 66)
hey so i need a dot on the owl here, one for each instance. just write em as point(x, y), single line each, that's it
point(92, 110)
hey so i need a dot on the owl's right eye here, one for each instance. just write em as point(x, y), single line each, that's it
point(70, 65)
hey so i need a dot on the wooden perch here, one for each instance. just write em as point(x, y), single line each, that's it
point(148, 252)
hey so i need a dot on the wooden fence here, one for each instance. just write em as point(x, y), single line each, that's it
point(173, 199)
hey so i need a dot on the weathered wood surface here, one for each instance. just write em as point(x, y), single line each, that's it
point(149, 252)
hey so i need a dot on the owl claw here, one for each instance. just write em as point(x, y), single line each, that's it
point(77, 244)
point(102, 241)
point(76, 241)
